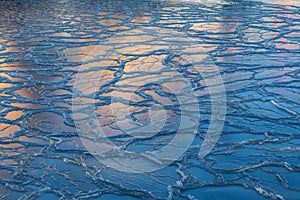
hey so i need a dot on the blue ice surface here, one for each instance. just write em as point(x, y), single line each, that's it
point(125, 47)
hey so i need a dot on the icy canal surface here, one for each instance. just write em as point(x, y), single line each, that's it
point(45, 44)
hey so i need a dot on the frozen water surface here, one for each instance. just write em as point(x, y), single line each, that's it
point(131, 45)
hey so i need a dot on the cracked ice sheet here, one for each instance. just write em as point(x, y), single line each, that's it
point(254, 44)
